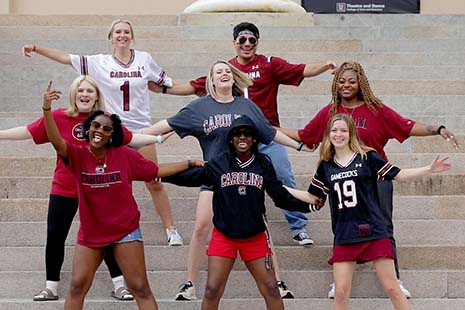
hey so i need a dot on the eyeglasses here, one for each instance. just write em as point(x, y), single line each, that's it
point(252, 40)
point(246, 132)
point(107, 130)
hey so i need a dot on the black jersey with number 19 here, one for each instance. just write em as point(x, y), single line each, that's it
point(353, 196)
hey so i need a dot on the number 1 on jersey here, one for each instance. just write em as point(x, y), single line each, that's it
point(125, 89)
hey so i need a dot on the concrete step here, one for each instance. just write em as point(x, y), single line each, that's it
point(405, 208)
point(241, 304)
point(422, 284)
point(408, 232)
point(38, 187)
point(302, 163)
point(25, 259)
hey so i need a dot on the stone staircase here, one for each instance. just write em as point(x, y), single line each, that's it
point(415, 63)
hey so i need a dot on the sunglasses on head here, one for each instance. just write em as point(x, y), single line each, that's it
point(107, 130)
point(252, 40)
point(239, 132)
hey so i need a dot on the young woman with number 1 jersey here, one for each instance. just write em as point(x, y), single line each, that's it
point(123, 76)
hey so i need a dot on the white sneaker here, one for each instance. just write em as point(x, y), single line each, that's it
point(302, 238)
point(404, 290)
point(284, 291)
point(186, 291)
point(332, 290)
point(174, 238)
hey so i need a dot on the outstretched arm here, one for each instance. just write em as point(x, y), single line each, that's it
point(139, 140)
point(169, 169)
point(436, 166)
point(16, 133)
point(158, 128)
point(179, 88)
point(306, 197)
point(317, 69)
point(283, 139)
point(51, 53)
point(429, 130)
point(52, 131)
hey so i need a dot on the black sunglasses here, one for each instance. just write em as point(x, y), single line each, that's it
point(252, 40)
point(246, 132)
point(107, 130)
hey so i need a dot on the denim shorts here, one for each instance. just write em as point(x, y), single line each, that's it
point(136, 235)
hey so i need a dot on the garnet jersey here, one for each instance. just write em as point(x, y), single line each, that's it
point(353, 196)
point(209, 121)
point(124, 86)
point(374, 128)
point(107, 208)
point(267, 73)
point(239, 192)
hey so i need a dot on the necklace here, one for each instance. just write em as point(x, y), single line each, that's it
point(351, 113)
point(101, 163)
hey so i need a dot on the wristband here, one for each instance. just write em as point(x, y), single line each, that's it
point(159, 139)
point(439, 129)
point(164, 89)
point(46, 109)
point(189, 164)
point(300, 146)
point(34, 47)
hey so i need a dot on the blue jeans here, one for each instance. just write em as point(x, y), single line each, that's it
point(278, 155)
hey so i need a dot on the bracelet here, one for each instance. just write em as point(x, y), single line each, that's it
point(300, 146)
point(160, 139)
point(164, 89)
point(189, 164)
point(46, 109)
point(34, 47)
point(439, 129)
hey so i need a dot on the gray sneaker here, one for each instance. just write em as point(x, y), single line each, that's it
point(303, 239)
point(186, 291)
point(284, 291)
point(331, 292)
point(404, 290)
point(174, 238)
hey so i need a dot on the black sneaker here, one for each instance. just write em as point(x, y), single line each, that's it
point(186, 291)
point(303, 239)
point(284, 291)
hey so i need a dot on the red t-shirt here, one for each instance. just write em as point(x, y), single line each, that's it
point(267, 73)
point(70, 129)
point(374, 128)
point(107, 208)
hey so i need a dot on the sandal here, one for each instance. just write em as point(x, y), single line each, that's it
point(45, 295)
point(122, 293)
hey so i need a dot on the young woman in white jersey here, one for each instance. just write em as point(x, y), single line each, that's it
point(122, 77)
point(347, 174)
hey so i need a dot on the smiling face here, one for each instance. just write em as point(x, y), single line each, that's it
point(86, 96)
point(246, 50)
point(222, 76)
point(121, 35)
point(242, 140)
point(100, 131)
point(348, 86)
point(339, 134)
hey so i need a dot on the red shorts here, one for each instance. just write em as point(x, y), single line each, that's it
point(250, 249)
point(362, 252)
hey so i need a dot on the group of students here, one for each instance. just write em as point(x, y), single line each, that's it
point(243, 157)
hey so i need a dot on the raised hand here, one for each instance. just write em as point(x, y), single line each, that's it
point(28, 49)
point(49, 96)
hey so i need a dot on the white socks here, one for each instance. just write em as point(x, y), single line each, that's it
point(53, 286)
point(118, 282)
